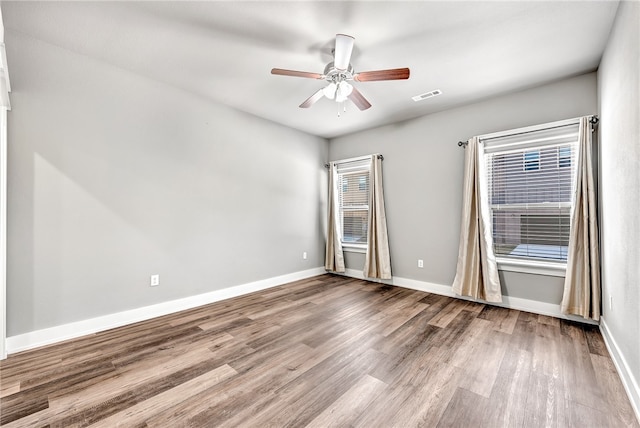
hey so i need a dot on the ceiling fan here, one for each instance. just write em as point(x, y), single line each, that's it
point(339, 73)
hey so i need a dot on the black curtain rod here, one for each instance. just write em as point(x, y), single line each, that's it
point(593, 120)
point(326, 165)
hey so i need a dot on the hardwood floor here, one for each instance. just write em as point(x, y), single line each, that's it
point(326, 351)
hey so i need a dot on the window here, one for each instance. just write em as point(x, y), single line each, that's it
point(353, 201)
point(564, 157)
point(363, 183)
point(530, 211)
point(531, 161)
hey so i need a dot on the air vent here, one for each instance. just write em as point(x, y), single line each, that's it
point(426, 95)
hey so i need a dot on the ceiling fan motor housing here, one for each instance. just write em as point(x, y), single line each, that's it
point(332, 74)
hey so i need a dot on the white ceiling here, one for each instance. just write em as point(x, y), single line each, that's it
point(225, 50)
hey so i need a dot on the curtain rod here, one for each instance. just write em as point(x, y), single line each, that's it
point(592, 120)
point(326, 165)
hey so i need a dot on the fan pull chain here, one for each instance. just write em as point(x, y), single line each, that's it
point(343, 104)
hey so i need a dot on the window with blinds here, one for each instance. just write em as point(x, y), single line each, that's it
point(353, 201)
point(530, 182)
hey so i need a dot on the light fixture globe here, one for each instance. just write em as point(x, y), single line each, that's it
point(343, 91)
point(330, 90)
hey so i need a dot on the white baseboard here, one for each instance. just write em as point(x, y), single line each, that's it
point(72, 330)
point(628, 380)
point(527, 305)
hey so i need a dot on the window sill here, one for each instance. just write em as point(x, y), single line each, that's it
point(354, 248)
point(536, 268)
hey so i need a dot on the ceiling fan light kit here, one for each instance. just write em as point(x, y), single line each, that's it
point(340, 91)
point(339, 73)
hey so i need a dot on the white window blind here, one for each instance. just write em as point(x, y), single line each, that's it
point(353, 199)
point(531, 180)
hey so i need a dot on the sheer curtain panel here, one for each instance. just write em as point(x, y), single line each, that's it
point(477, 270)
point(582, 281)
point(377, 262)
point(334, 258)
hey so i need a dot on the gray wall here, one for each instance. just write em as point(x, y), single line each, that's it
point(423, 171)
point(619, 96)
point(114, 177)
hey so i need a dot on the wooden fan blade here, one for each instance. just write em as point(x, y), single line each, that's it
point(392, 74)
point(359, 100)
point(312, 99)
point(294, 73)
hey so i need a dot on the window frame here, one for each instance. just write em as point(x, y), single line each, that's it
point(350, 167)
point(523, 264)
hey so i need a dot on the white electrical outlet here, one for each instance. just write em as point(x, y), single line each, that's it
point(420, 263)
point(304, 255)
point(155, 280)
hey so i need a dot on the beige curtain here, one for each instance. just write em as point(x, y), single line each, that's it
point(582, 281)
point(334, 258)
point(377, 262)
point(477, 270)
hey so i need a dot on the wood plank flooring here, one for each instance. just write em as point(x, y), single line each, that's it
point(323, 352)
